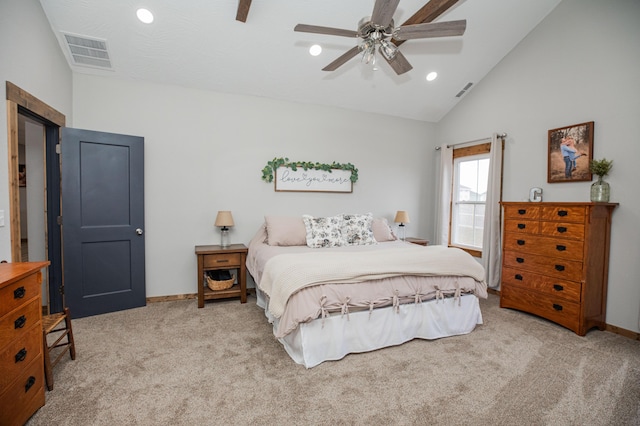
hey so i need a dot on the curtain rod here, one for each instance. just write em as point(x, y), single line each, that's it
point(501, 135)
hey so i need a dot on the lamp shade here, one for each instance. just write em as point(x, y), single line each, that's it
point(401, 217)
point(224, 219)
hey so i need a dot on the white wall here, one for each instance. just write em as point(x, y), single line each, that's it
point(580, 64)
point(205, 151)
point(30, 57)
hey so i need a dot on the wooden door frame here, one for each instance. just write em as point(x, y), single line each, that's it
point(19, 98)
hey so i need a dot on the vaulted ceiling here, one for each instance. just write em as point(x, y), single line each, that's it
point(200, 44)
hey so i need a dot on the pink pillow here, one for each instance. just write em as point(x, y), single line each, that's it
point(285, 231)
point(381, 230)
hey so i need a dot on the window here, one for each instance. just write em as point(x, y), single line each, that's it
point(469, 193)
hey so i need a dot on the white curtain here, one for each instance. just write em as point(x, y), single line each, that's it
point(491, 245)
point(444, 195)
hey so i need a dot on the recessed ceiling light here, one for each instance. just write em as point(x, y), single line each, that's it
point(432, 76)
point(145, 16)
point(315, 50)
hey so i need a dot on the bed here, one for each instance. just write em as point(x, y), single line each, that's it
point(344, 284)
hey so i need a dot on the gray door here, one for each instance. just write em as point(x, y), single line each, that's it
point(102, 221)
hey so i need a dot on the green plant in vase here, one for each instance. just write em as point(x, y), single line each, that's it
point(600, 190)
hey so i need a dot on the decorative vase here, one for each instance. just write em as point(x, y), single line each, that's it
point(600, 191)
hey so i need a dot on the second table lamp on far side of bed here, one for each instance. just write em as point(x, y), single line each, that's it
point(224, 220)
point(402, 217)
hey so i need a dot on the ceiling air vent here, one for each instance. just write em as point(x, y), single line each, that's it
point(464, 90)
point(89, 52)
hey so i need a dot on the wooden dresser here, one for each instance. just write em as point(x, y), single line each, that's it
point(555, 261)
point(21, 362)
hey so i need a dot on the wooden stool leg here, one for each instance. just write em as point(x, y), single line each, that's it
point(48, 373)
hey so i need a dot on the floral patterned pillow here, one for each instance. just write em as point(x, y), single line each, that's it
point(356, 229)
point(323, 231)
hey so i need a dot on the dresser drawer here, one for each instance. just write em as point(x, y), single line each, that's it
point(522, 211)
point(18, 354)
point(573, 231)
point(18, 322)
point(554, 309)
point(17, 293)
point(546, 246)
point(24, 395)
point(522, 226)
point(564, 214)
point(559, 268)
point(567, 290)
point(230, 260)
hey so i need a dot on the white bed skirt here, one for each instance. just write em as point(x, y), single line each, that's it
point(314, 342)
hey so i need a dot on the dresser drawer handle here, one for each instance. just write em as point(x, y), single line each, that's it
point(558, 287)
point(19, 293)
point(520, 242)
point(519, 260)
point(561, 248)
point(30, 382)
point(562, 229)
point(557, 307)
point(562, 213)
point(222, 260)
point(560, 268)
point(21, 355)
point(521, 226)
point(20, 322)
point(518, 277)
point(522, 211)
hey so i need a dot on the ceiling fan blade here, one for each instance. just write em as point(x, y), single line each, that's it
point(303, 28)
point(243, 10)
point(430, 30)
point(428, 13)
point(383, 12)
point(399, 63)
point(342, 59)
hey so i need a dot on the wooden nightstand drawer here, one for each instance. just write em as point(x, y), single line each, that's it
point(568, 290)
point(222, 260)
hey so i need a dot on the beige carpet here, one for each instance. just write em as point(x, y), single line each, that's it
point(171, 363)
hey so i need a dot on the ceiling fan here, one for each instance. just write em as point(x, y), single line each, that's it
point(378, 33)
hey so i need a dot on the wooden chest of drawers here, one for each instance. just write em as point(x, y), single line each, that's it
point(555, 261)
point(21, 362)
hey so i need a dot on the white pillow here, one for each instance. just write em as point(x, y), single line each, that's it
point(323, 231)
point(356, 229)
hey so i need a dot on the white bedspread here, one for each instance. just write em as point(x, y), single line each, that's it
point(285, 274)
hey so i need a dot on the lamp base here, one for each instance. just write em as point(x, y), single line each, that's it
point(224, 238)
point(401, 233)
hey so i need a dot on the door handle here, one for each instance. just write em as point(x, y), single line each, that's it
point(139, 231)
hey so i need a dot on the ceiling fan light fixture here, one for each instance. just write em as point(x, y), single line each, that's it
point(388, 49)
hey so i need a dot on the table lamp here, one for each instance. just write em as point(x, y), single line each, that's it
point(402, 217)
point(224, 220)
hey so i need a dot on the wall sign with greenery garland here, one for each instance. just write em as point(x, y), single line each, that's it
point(309, 176)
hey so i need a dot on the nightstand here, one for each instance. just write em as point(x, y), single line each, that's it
point(418, 241)
point(216, 257)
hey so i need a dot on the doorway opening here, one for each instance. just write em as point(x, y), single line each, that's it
point(34, 182)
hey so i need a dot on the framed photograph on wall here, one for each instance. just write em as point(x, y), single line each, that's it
point(570, 153)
